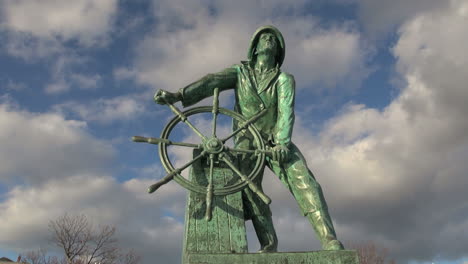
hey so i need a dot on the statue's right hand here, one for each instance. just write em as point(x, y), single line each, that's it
point(163, 97)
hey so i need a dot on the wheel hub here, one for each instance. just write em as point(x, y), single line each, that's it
point(213, 146)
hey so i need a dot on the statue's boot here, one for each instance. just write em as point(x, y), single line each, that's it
point(323, 226)
point(263, 225)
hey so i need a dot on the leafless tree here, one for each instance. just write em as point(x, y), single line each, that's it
point(370, 253)
point(129, 257)
point(40, 257)
point(82, 244)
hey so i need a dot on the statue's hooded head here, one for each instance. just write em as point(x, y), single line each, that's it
point(280, 49)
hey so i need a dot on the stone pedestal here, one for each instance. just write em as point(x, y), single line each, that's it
point(314, 257)
point(225, 233)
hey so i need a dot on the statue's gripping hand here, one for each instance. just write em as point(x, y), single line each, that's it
point(163, 97)
point(280, 153)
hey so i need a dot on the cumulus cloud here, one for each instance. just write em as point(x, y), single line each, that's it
point(57, 87)
point(382, 16)
point(36, 147)
point(395, 175)
point(105, 110)
point(65, 73)
point(194, 39)
point(67, 66)
point(56, 166)
point(86, 82)
point(324, 58)
point(84, 20)
point(28, 47)
point(143, 221)
point(437, 60)
point(398, 174)
point(123, 73)
point(42, 31)
point(14, 86)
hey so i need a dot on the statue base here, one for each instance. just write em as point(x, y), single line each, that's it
point(313, 257)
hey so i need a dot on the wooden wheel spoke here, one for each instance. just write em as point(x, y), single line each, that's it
point(209, 190)
point(245, 125)
point(251, 185)
point(186, 121)
point(250, 151)
point(157, 141)
point(215, 110)
point(171, 175)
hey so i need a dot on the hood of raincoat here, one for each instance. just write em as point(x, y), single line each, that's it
point(256, 37)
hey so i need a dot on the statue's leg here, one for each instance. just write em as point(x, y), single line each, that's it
point(259, 212)
point(263, 225)
point(307, 191)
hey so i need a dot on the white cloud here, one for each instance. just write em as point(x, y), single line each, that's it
point(57, 87)
point(52, 165)
point(380, 16)
point(41, 31)
point(396, 175)
point(84, 20)
point(85, 81)
point(437, 60)
point(36, 147)
point(64, 75)
point(399, 174)
point(29, 47)
point(323, 58)
point(14, 86)
point(123, 73)
point(192, 40)
point(105, 110)
point(67, 66)
point(140, 218)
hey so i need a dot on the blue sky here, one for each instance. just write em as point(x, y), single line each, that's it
point(380, 116)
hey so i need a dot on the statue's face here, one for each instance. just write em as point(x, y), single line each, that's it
point(267, 43)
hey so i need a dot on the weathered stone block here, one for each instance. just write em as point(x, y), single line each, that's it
point(313, 257)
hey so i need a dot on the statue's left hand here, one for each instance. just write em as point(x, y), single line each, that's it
point(280, 153)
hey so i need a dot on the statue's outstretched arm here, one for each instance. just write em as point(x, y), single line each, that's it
point(203, 88)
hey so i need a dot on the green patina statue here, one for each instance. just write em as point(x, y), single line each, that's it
point(260, 85)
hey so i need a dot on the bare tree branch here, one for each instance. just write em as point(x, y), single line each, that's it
point(40, 257)
point(82, 244)
point(104, 246)
point(370, 253)
point(72, 234)
point(129, 257)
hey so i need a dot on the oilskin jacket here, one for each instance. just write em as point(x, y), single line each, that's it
point(275, 93)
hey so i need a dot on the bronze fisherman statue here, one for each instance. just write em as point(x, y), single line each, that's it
point(259, 84)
